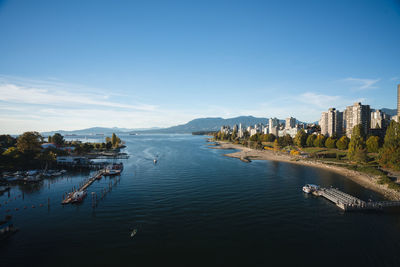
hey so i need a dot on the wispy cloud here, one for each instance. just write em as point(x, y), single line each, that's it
point(362, 84)
point(28, 95)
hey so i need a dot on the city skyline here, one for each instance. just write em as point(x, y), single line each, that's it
point(73, 66)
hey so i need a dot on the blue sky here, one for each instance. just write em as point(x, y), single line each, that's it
point(135, 64)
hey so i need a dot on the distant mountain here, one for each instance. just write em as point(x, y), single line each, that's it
point(97, 130)
point(209, 124)
point(391, 112)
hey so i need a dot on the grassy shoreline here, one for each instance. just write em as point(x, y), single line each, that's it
point(367, 176)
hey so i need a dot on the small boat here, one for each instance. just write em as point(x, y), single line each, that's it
point(155, 161)
point(7, 229)
point(114, 169)
point(78, 196)
point(309, 188)
point(134, 232)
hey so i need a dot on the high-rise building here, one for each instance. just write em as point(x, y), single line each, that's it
point(358, 114)
point(240, 134)
point(290, 123)
point(235, 128)
point(273, 122)
point(379, 119)
point(335, 122)
point(323, 123)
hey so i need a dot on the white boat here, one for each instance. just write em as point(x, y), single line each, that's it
point(114, 169)
point(309, 188)
point(78, 196)
point(133, 232)
point(155, 161)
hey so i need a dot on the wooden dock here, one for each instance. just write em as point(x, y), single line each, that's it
point(68, 199)
point(350, 203)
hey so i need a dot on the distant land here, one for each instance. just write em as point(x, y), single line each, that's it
point(196, 125)
point(390, 112)
point(97, 130)
point(208, 124)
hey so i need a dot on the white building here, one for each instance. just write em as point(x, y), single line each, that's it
point(323, 123)
point(290, 123)
point(273, 122)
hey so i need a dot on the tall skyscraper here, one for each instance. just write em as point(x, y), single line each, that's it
point(379, 119)
point(358, 114)
point(323, 123)
point(331, 122)
point(273, 122)
point(335, 122)
point(290, 123)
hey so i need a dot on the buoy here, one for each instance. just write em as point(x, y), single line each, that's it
point(41, 205)
point(24, 207)
point(16, 208)
point(33, 206)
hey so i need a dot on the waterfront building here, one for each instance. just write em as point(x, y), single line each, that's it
point(253, 131)
point(264, 129)
point(379, 119)
point(235, 128)
point(335, 122)
point(358, 114)
point(273, 122)
point(290, 123)
point(240, 132)
point(274, 130)
point(225, 129)
point(323, 123)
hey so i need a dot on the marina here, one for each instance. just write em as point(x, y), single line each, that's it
point(79, 194)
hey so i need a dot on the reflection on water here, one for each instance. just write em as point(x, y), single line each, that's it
point(196, 207)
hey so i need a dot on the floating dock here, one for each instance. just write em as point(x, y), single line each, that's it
point(95, 177)
point(350, 203)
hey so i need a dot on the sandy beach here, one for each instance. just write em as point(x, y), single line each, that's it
point(247, 154)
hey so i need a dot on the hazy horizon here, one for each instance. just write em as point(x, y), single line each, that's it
point(70, 65)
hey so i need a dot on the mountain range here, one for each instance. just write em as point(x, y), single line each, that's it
point(196, 125)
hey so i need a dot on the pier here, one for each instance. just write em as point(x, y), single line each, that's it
point(350, 203)
point(69, 198)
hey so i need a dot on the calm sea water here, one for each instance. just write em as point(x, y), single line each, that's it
point(196, 207)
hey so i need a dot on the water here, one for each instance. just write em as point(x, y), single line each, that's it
point(196, 207)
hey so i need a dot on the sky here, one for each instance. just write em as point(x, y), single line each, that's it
point(139, 64)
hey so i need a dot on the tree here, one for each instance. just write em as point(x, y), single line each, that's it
point(300, 139)
point(7, 141)
point(254, 138)
point(389, 155)
point(114, 140)
point(57, 139)
point(343, 143)
point(310, 140)
point(373, 144)
point(287, 140)
point(330, 142)
point(11, 152)
point(29, 142)
point(319, 141)
point(233, 136)
point(357, 150)
point(268, 138)
point(108, 145)
point(277, 146)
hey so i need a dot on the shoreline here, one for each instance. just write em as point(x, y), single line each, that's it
point(247, 154)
